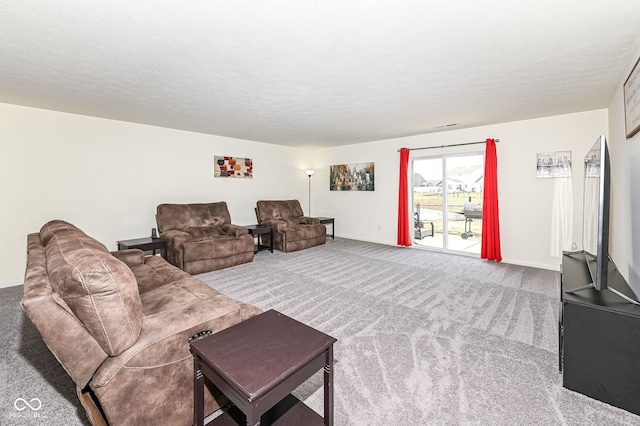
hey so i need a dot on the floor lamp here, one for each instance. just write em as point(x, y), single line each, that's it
point(310, 173)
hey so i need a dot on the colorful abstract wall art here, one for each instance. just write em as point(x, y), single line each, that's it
point(232, 167)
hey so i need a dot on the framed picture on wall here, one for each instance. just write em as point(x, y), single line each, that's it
point(232, 167)
point(352, 177)
point(553, 164)
point(632, 101)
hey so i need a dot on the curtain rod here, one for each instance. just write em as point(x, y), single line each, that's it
point(447, 146)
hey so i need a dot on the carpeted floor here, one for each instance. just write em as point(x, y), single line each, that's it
point(424, 338)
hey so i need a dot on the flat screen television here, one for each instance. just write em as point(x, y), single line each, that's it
point(595, 232)
point(596, 205)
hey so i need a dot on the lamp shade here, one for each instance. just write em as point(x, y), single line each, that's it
point(309, 172)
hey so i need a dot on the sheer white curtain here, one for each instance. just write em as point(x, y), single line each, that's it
point(561, 216)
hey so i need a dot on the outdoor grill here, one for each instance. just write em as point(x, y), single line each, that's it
point(470, 211)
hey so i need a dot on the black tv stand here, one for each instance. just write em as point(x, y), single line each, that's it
point(599, 336)
point(612, 290)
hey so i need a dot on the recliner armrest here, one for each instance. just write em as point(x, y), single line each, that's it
point(175, 245)
point(130, 257)
point(176, 236)
point(305, 220)
point(276, 224)
point(234, 230)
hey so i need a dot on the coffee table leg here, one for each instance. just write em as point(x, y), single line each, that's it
point(198, 393)
point(328, 388)
point(253, 419)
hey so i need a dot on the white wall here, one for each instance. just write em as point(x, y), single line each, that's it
point(107, 177)
point(524, 202)
point(624, 243)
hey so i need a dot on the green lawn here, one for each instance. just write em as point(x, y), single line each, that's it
point(455, 203)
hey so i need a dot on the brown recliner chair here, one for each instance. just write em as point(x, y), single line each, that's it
point(202, 237)
point(291, 229)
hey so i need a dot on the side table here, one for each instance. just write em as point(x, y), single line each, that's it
point(257, 364)
point(257, 231)
point(331, 221)
point(145, 244)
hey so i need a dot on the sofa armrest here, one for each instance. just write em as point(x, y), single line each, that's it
point(164, 338)
point(130, 257)
point(58, 328)
point(234, 230)
point(305, 220)
point(55, 322)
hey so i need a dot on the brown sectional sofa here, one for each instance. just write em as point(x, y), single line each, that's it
point(202, 237)
point(119, 324)
point(291, 229)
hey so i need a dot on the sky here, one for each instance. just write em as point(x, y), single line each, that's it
point(431, 168)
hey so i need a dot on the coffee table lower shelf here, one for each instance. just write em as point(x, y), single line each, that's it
point(288, 412)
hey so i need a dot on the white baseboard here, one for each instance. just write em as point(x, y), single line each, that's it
point(532, 264)
point(504, 260)
point(10, 284)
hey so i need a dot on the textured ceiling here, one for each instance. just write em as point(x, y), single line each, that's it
point(316, 73)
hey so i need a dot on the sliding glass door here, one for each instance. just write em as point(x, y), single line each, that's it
point(447, 201)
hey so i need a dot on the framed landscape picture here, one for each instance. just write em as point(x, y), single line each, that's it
point(352, 177)
point(554, 164)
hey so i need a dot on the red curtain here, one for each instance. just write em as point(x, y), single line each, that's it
point(490, 215)
point(404, 234)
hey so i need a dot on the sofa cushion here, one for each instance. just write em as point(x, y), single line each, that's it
point(177, 294)
point(204, 232)
point(98, 288)
point(155, 272)
point(224, 246)
point(304, 232)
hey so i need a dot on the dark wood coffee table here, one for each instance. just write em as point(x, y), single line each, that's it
point(256, 364)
